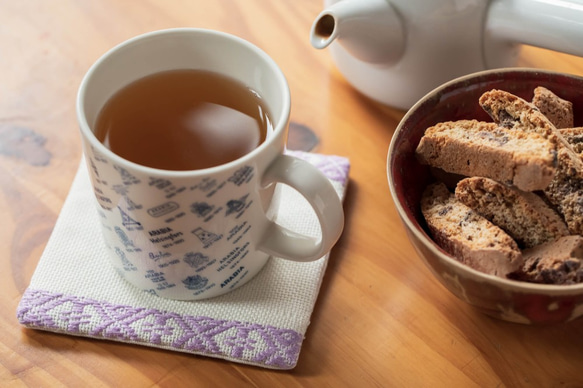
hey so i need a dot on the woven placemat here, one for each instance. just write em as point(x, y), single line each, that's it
point(262, 323)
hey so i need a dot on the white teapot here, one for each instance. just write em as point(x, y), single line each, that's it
point(395, 51)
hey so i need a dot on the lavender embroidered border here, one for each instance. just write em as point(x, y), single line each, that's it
point(262, 345)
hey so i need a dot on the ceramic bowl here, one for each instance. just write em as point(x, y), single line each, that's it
point(458, 99)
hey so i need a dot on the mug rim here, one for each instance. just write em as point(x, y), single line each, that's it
point(278, 126)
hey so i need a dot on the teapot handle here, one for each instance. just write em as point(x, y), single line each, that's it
point(556, 25)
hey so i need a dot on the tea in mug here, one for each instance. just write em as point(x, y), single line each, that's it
point(183, 120)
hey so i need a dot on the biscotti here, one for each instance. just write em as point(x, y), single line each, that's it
point(467, 236)
point(513, 112)
point(497, 221)
point(557, 262)
point(557, 110)
point(477, 148)
point(565, 191)
point(523, 215)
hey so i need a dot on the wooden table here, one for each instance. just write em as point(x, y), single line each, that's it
point(380, 320)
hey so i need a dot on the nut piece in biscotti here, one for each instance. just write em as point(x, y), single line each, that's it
point(525, 216)
point(558, 111)
point(574, 137)
point(565, 191)
point(556, 262)
point(467, 236)
point(477, 148)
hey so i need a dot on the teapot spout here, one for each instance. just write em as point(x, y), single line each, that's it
point(553, 25)
point(370, 30)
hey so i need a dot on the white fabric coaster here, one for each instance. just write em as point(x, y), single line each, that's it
point(261, 323)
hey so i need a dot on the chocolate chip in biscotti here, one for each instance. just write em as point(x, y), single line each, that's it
point(477, 148)
point(557, 110)
point(468, 237)
point(556, 262)
point(525, 216)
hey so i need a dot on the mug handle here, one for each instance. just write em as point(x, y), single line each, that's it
point(321, 195)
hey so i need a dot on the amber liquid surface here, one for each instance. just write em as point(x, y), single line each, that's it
point(183, 120)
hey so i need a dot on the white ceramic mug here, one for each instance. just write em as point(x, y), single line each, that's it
point(197, 234)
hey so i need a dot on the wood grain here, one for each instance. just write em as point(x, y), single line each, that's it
point(380, 320)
